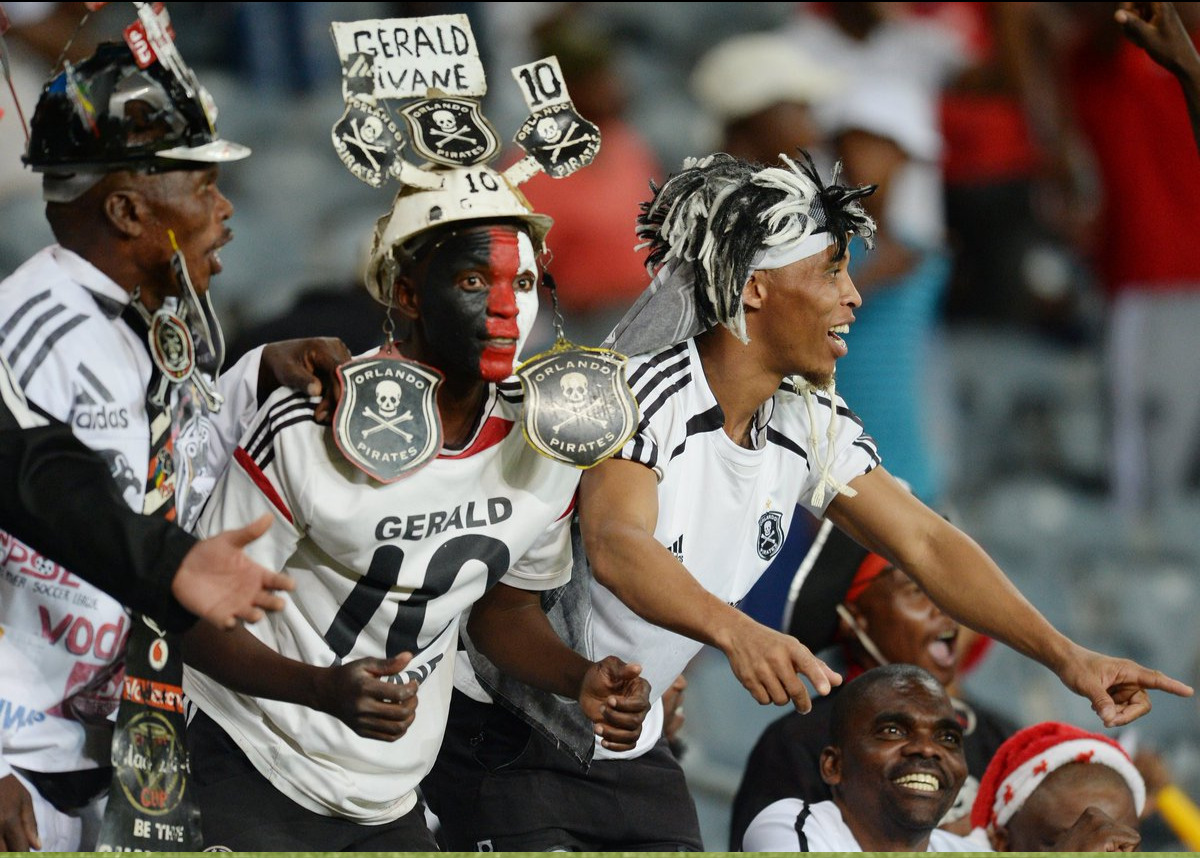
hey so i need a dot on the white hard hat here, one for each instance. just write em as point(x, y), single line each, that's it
point(464, 194)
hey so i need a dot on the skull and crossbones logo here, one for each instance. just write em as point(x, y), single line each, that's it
point(387, 400)
point(575, 406)
point(363, 138)
point(448, 130)
point(556, 140)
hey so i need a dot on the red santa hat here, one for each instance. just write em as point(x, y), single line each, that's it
point(1030, 755)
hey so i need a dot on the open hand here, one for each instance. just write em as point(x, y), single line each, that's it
point(219, 583)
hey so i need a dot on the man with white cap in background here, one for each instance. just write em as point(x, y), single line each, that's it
point(759, 89)
point(735, 344)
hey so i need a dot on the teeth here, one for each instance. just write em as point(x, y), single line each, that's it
point(840, 329)
point(946, 636)
point(925, 783)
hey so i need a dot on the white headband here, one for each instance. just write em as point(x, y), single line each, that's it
point(785, 254)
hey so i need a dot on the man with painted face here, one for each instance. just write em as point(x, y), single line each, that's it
point(129, 158)
point(311, 717)
point(882, 616)
point(733, 350)
point(894, 764)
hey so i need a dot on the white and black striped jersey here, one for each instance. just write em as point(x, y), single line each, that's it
point(380, 569)
point(794, 825)
point(723, 509)
point(61, 639)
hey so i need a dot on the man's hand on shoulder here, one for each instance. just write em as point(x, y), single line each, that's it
point(307, 365)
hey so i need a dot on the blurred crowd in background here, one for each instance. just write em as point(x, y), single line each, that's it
point(1024, 354)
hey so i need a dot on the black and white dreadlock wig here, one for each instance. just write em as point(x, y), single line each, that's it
point(721, 218)
point(713, 224)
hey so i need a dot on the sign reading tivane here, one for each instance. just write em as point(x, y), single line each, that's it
point(413, 55)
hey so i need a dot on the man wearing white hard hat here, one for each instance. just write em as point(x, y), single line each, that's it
point(384, 567)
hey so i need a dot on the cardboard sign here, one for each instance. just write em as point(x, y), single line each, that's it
point(414, 55)
point(542, 84)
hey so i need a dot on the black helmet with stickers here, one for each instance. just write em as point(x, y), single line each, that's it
point(108, 114)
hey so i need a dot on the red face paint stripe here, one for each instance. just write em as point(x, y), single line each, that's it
point(260, 479)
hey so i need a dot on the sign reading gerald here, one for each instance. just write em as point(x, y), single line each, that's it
point(413, 55)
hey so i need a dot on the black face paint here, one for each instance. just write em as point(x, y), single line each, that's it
point(469, 302)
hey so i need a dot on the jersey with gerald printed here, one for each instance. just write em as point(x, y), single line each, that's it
point(61, 639)
point(794, 825)
point(380, 569)
point(723, 509)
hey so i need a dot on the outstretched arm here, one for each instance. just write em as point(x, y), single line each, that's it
point(357, 693)
point(1157, 29)
point(618, 511)
point(966, 583)
point(509, 626)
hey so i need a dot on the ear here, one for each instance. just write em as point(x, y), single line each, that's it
point(851, 612)
point(831, 765)
point(754, 293)
point(405, 298)
point(127, 211)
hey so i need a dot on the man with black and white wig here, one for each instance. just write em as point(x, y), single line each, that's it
point(735, 343)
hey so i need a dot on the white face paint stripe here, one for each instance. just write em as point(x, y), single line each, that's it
point(527, 302)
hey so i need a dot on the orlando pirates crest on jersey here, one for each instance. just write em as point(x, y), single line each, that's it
point(723, 510)
point(380, 569)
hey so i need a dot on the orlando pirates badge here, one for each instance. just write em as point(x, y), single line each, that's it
point(451, 131)
point(367, 142)
point(387, 422)
point(559, 139)
point(578, 406)
point(171, 346)
point(770, 534)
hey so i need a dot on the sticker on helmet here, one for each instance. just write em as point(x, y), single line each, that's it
point(559, 139)
point(386, 423)
point(451, 131)
point(414, 55)
point(578, 406)
point(367, 142)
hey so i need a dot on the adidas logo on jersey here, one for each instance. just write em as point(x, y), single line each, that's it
point(676, 548)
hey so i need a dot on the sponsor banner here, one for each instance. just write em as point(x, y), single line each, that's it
point(150, 803)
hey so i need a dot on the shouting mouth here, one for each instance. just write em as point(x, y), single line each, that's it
point(839, 345)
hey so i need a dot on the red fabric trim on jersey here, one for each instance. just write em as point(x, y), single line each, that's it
point(495, 430)
point(570, 506)
point(260, 480)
